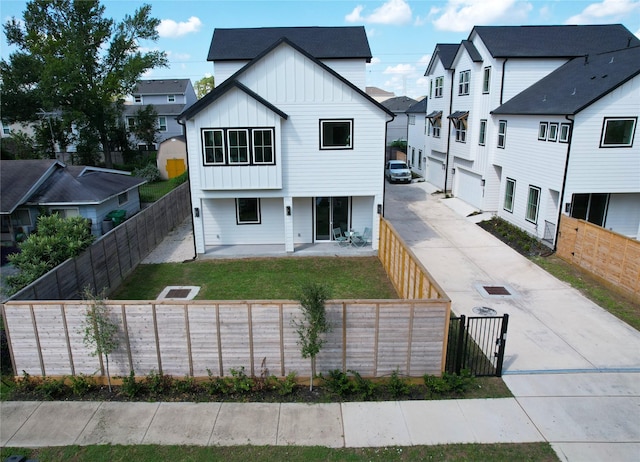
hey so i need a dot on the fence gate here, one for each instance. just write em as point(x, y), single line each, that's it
point(477, 344)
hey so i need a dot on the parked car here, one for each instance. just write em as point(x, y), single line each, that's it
point(397, 170)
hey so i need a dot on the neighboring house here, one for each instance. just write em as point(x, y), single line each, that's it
point(507, 83)
point(288, 146)
point(30, 187)
point(379, 94)
point(397, 129)
point(172, 157)
point(169, 98)
point(416, 120)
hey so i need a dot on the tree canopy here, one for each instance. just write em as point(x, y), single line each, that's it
point(72, 59)
point(204, 86)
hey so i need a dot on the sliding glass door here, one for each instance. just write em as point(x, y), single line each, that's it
point(330, 212)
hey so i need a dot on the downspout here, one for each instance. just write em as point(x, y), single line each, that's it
point(504, 65)
point(193, 224)
point(564, 182)
point(446, 158)
point(384, 183)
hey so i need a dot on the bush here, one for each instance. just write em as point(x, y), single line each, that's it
point(149, 172)
point(287, 385)
point(131, 387)
point(240, 381)
point(337, 383)
point(51, 388)
point(81, 384)
point(365, 389)
point(397, 386)
point(158, 383)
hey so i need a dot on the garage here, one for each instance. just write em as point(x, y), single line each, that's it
point(469, 187)
point(435, 172)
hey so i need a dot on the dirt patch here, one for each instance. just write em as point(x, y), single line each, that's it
point(515, 238)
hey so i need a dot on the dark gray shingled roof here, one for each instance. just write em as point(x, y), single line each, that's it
point(553, 41)
point(399, 103)
point(418, 108)
point(474, 54)
point(161, 87)
point(446, 52)
point(232, 82)
point(576, 85)
point(18, 178)
point(319, 42)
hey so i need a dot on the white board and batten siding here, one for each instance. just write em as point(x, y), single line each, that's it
point(520, 74)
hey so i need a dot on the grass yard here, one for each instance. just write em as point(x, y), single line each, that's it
point(261, 278)
point(539, 452)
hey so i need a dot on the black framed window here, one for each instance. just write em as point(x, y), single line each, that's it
point(239, 146)
point(543, 129)
point(213, 147)
point(336, 134)
point(553, 132)
point(564, 132)
point(263, 146)
point(618, 132)
point(248, 211)
point(533, 204)
point(509, 194)
point(238, 142)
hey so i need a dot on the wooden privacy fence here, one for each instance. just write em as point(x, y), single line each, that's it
point(116, 254)
point(410, 278)
point(607, 255)
point(373, 337)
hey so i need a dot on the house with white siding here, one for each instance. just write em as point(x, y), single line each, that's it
point(483, 138)
point(416, 120)
point(288, 146)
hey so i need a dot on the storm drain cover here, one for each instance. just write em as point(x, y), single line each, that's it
point(179, 293)
point(484, 311)
point(496, 290)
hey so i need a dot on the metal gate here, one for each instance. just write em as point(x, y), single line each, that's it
point(477, 344)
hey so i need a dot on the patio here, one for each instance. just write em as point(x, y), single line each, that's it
point(325, 249)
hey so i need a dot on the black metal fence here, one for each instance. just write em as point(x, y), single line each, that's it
point(477, 344)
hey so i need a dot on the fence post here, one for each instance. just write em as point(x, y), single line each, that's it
point(462, 330)
point(502, 340)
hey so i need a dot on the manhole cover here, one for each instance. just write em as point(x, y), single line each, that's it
point(484, 311)
point(496, 290)
point(178, 293)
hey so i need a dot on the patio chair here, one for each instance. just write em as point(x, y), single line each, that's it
point(339, 238)
point(360, 240)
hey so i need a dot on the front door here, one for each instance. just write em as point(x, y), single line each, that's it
point(330, 212)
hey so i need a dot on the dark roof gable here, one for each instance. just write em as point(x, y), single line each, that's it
point(319, 42)
point(399, 103)
point(576, 85)
point(553, 41)
point(445, 52)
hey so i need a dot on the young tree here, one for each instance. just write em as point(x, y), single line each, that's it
point(100, 333)
point(56, 239)
point(146, 127)
point(72, 59)
point(313, 324)
point(204, 86)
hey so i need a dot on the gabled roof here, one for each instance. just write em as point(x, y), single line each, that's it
point(20, 178)
point(418, 108)
point(232, 82)
point(399, 104)
point(161, 87)
point(473, 52)
point(576, 85)
point(553, 41)
point(445, 52)
point(319, 42)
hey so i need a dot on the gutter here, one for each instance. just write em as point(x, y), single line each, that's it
point(564, 181)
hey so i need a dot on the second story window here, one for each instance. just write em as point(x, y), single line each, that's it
point(171, 98)
point(618, 132)
point(131, 123)
point(162, 124)
point(336, 134)
point(137, 98)
point(213, 146)
point(502, 133)
point(486, 80)
point(460, 127)
point(463, 83)
point(263, 146)
point(436, 125)
point(238, 146)
point(439, 86)
point(238, 142)
point(483, 132)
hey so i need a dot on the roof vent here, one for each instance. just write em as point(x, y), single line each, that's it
point(574, 92)
point(611, 62)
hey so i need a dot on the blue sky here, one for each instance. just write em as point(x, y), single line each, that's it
point(402, 33)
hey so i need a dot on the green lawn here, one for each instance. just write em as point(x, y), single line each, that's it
point(151, 192)
point(539, 452)
point(261, 279)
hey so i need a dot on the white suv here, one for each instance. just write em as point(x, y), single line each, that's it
point(397, 170)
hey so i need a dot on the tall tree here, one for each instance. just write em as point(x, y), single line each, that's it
point(204, 86)
point(71, 58)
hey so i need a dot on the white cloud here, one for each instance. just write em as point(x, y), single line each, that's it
point(374, 60)
point(424, 60)
point(172, 56)
point(400, 69)
point(396, 12)
point(605, 11)
point(171, 28)
point(462, 15)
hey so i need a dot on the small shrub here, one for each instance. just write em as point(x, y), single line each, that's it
point(397, 386)
point(287, 385)
point(436, 385)
point(81, 384)
point(26, 384)
point(149, 172)
point(459, 383)
point(158, 383)
point(186, 385)
point(364, 388)
point(241, 382)
point(338, 383)
point(51, 388)
point(131, 387)
point(218, 385)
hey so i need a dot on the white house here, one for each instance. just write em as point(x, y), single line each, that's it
point(288, 146)
point(397, 129)
point(482, 136)
point(416, 126)
point(168, 97)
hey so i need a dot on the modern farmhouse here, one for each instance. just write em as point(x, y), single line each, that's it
point(288, 147)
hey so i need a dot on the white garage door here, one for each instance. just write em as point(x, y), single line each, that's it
point(469, 187)
point(435, 172)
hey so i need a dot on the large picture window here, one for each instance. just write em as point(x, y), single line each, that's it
point(213, 147)
point(509, 193)
point(336, 134)
point(248, 211)
point(533, 204)
point(618, 132)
